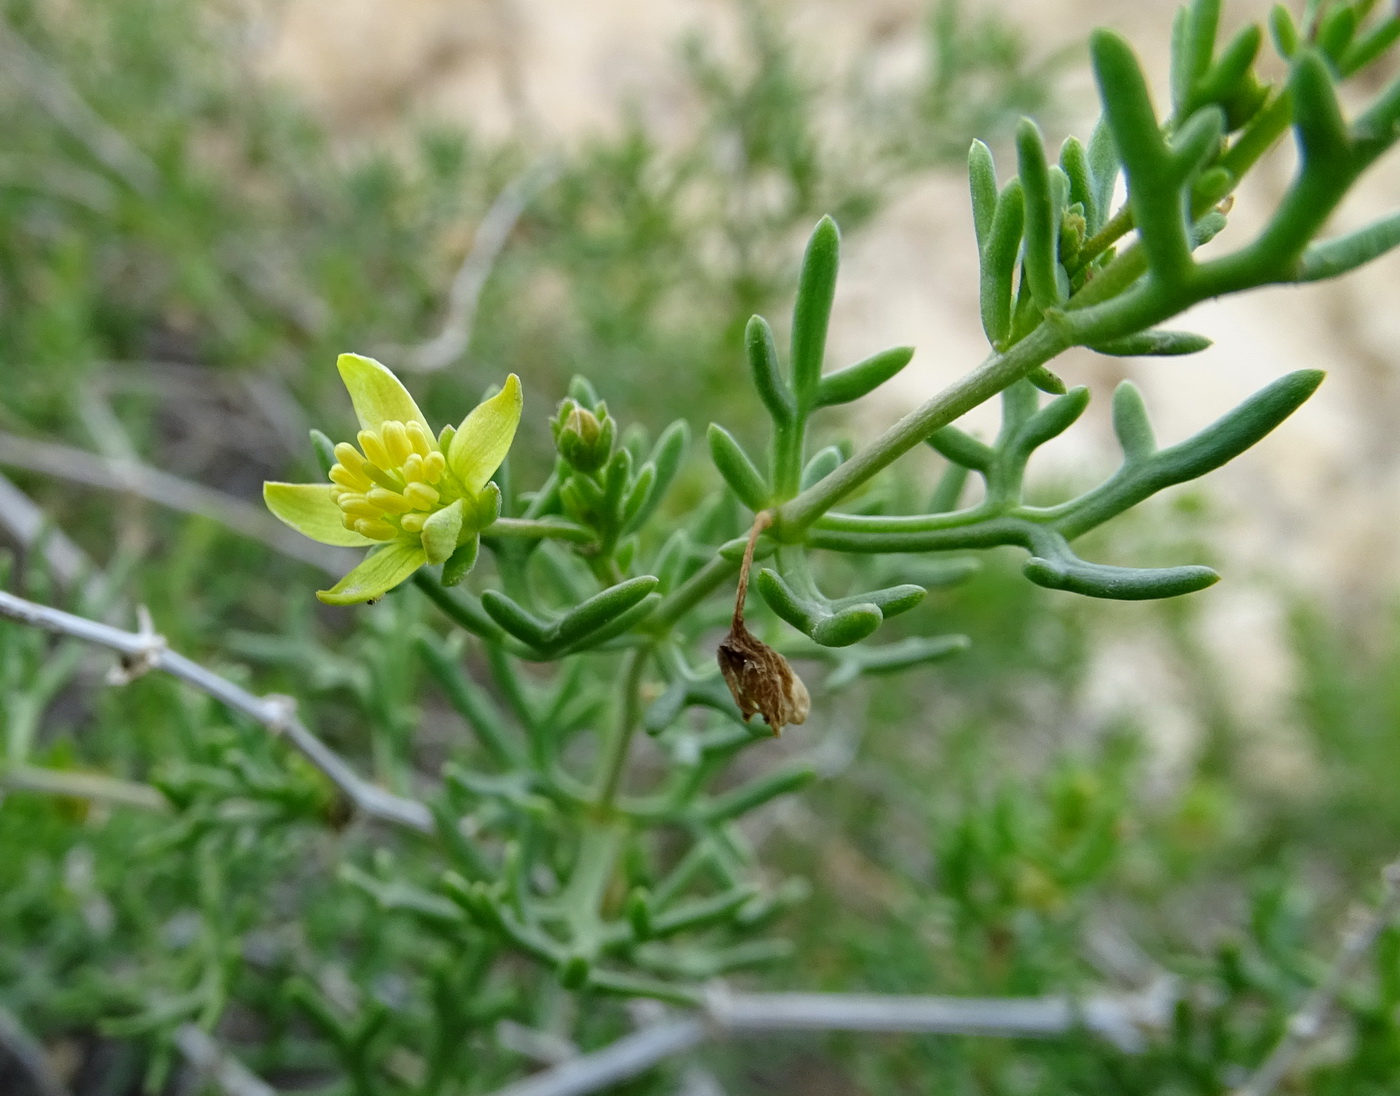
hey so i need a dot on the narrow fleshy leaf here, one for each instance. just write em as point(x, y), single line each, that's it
point(377, 394)
point(485, 436)
point(307, 508)
point(379, 573)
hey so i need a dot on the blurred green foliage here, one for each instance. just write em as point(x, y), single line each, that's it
point(201, 237)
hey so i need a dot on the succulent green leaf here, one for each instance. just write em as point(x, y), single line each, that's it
point(998, 266)
point(1103, 168)
point(1230, 73)
point(1074, 162)
point(1337, 29)
point(324, 449)
point(962, 448)
point(1203, 452)
point(620, 624)
point(485, 436)
point(380, 572)
point(816, 289)
point(307, 508)
point(377, 395)
point(638, 496)
point(864, 377)
point(982, 180)
point(767, 377)
point(1042, 228)
point(1154, 344)
point(1336, 257)
point(891, 601)
point(1131, 423)
point(598, 610)
point(1369, 48)
point(743, 477)
point(848, 626)
point(1047, 381)
point(1317, 116)
point(822, 464)
point(1284, 31)
point(515, 619)
point(1117, 583)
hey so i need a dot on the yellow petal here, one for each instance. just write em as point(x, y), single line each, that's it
point(484, 438)
point(309, 509)
point(380, 572)
point(376, 393)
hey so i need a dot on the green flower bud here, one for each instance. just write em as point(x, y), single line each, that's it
point(584, 438)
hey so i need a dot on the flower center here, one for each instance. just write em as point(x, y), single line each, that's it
point(393, 482)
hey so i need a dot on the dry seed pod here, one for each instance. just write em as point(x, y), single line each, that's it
point(760, 679)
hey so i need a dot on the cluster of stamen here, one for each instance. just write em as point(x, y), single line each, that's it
point(393, 483)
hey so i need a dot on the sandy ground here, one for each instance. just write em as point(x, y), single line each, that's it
point(1315, 507)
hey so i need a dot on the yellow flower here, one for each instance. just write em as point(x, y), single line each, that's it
point(417, 499)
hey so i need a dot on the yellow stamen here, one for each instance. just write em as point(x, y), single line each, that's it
point(348, 455)
point(360, 507)
point(434, 464)
point(413, 468)
point(413, 523)
point(396, 441)
point(374, 449)
point(349, 521)
point(419, 438)
point(421, 495)
point(355, 480)
point(375, 530)
point(389, 501)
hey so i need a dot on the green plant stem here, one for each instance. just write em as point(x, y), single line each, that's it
point(691, 592)
point(996, 373)
point(615, 746)
point(537, 529)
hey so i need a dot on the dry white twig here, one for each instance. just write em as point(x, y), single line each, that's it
point(276, 713)
point(27, 1053)
point(30, 527)
point(1121, 1019)
point(1305, 1025)
point(465, 293)
point(244, 518)
point(93, 787)
point(215, 1064)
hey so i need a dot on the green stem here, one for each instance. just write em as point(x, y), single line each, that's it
point(619, 738)
point(537, 529)
point(996, 373)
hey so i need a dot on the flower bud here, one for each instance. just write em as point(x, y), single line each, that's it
point(584, 438)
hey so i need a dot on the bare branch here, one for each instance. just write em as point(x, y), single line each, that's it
point(238, 515)
point(142, 651)
point(1305, 1025)
point(27, 1053)
point(630, 1056)
point(79, 785)
point(29, 526)
point(216, 1065)
point(465, 294)
point(1121, 1019)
